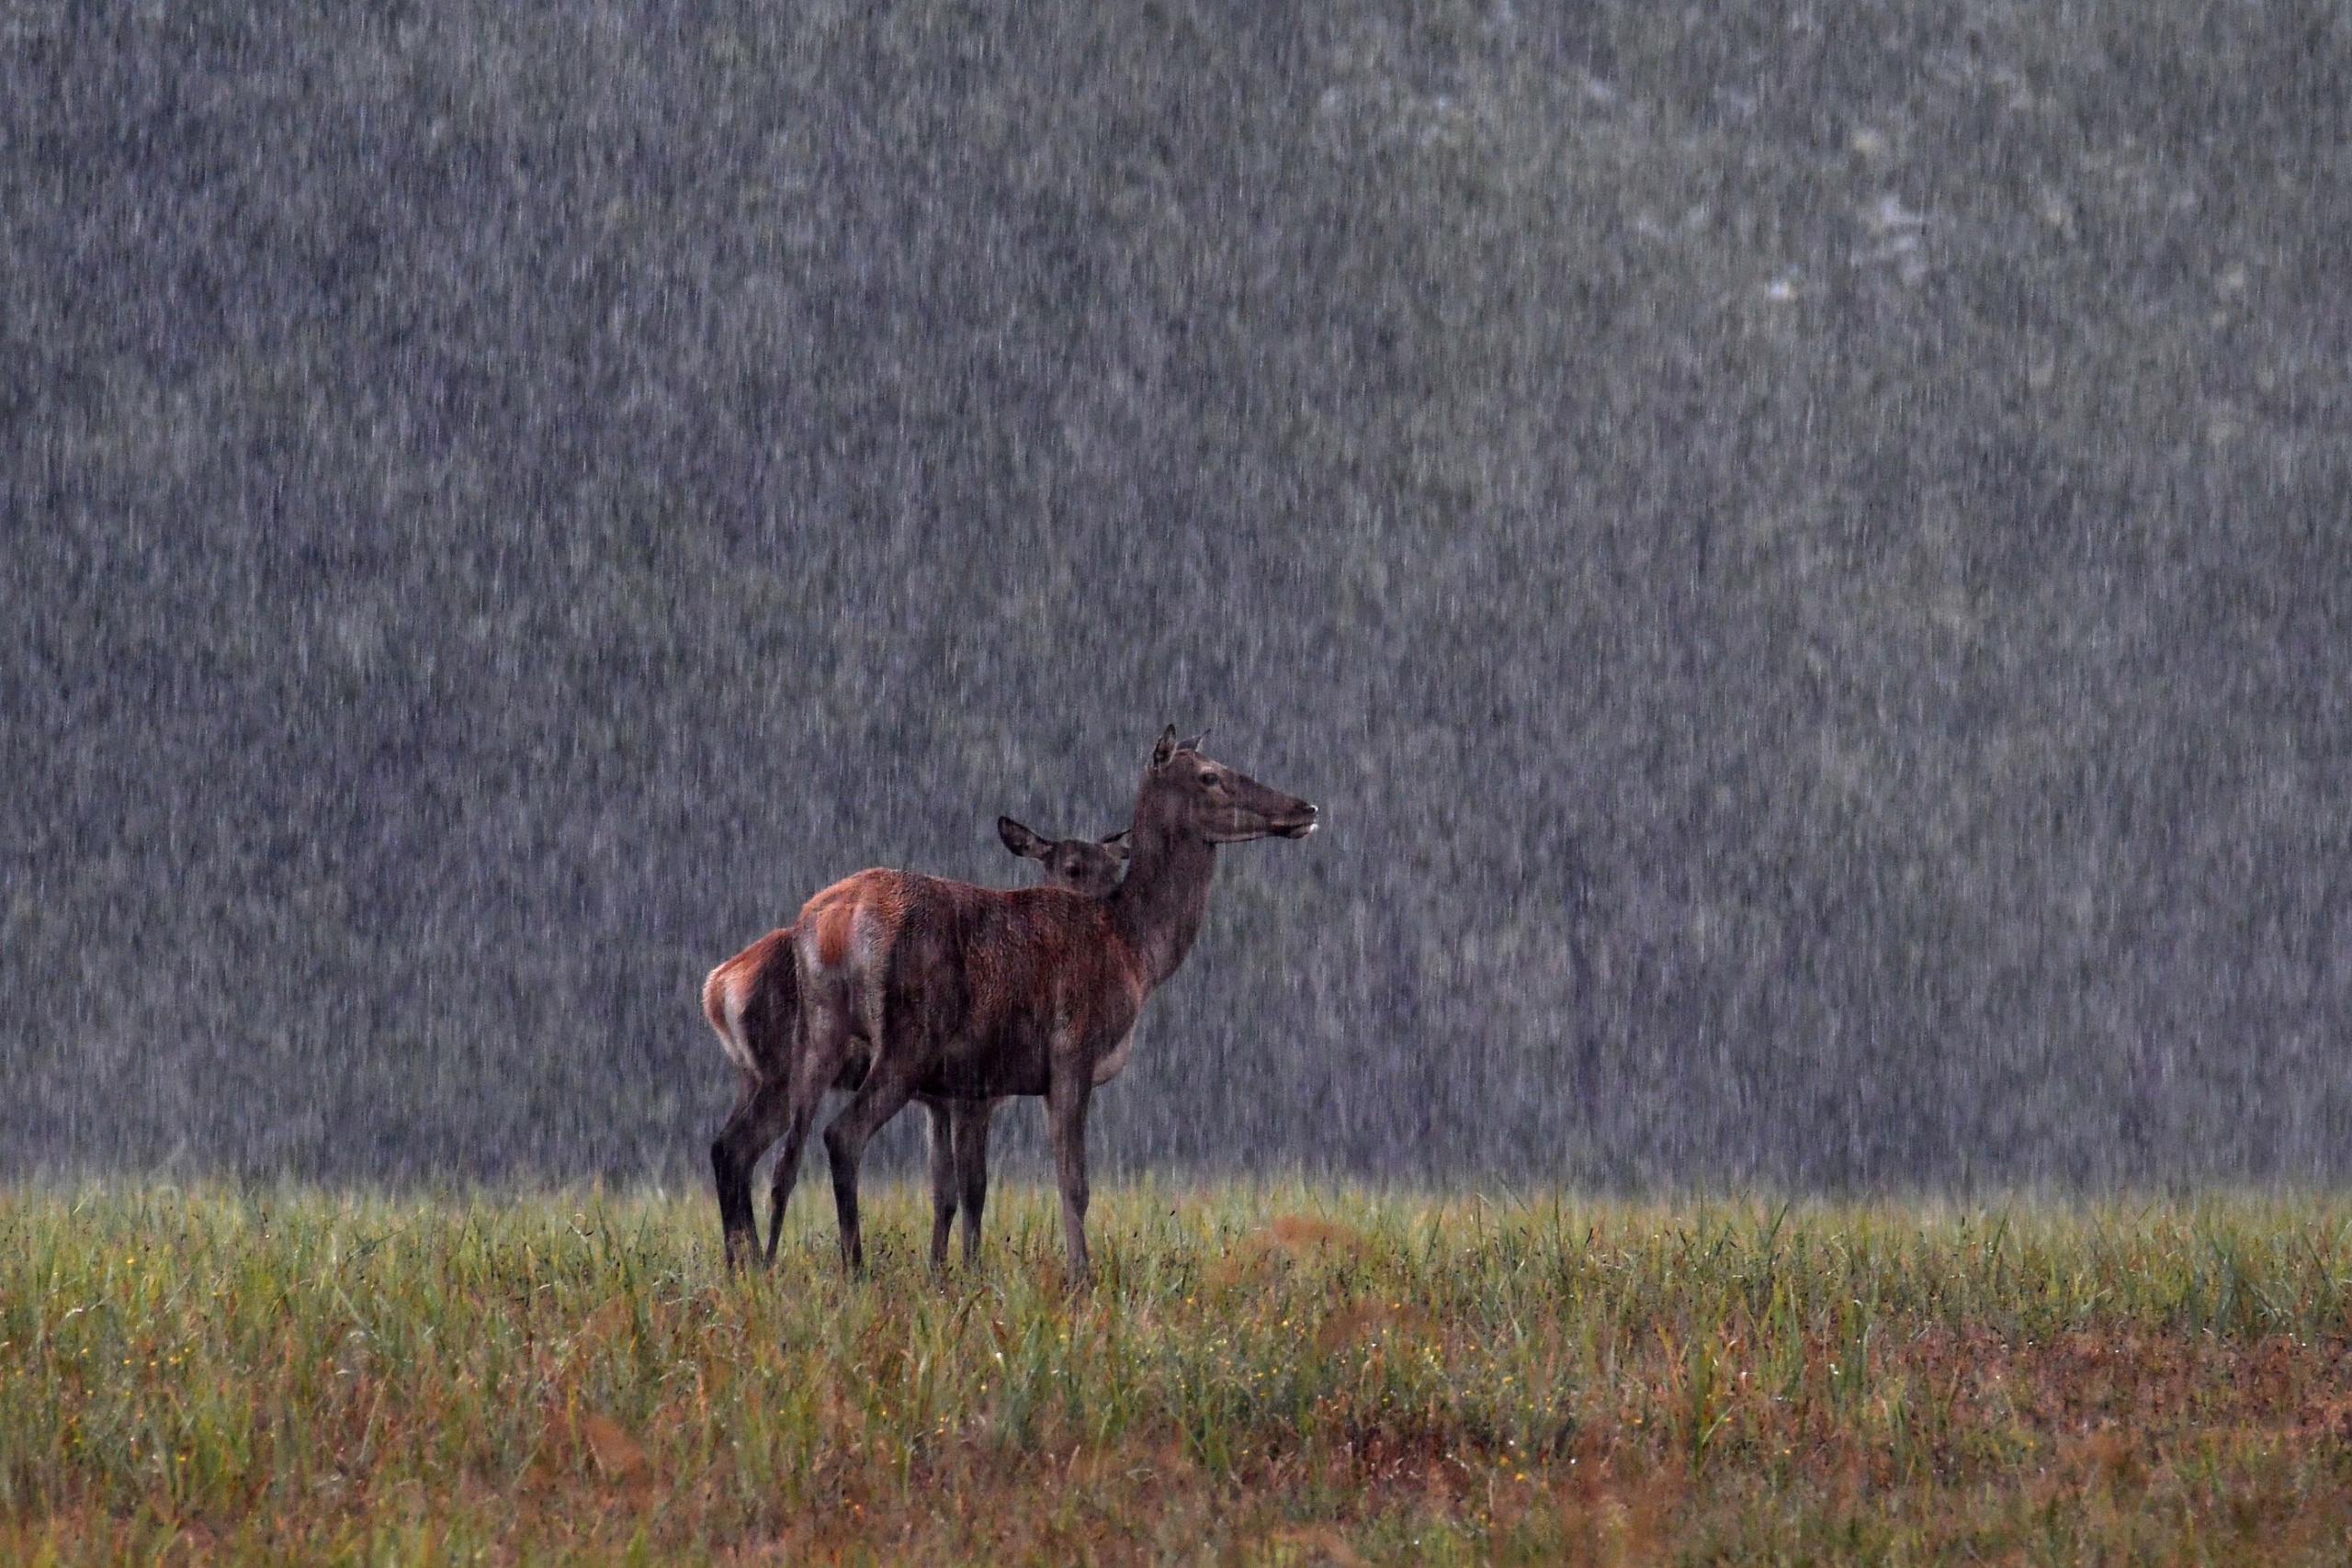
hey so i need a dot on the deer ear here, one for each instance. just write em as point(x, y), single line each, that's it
point(1166, 749)
point(1020, 840)
point(1118, 846)
point(1195, 743)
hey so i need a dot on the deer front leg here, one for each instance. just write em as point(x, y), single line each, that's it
point(1066, 1118)
point(972, 1168)
point(944, 1160)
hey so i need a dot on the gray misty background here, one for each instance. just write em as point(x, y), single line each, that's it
point(1802, 549)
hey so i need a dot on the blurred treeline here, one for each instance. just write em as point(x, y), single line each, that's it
point(1805, 550)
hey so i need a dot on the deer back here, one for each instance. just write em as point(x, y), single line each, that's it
point(980, 984)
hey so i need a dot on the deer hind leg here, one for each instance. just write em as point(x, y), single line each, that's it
point(824, 1047)
point(883, 1095)
point(763, 1112)
point(946, 1164)
point(971, 1126)
point(1066, 1121)
point(805, 1101)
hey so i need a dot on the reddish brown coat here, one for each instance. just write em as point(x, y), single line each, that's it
point(752, 1001)
point(970, 992)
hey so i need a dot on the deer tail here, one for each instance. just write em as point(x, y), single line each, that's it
point(721, 1004)
point(752, 1002)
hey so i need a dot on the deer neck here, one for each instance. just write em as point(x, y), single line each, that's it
point(1158, 911)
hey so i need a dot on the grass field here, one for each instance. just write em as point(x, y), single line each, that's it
point(1265, 1374)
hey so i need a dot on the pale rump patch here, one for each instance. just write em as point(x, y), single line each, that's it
point(858, 910)
point(870, 934)
point(723, 999)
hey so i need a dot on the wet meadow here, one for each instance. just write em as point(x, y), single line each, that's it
point(1264, 1373)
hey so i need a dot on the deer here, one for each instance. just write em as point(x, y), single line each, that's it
point(969, 993)
point(1089, 868)
point(752, 1001)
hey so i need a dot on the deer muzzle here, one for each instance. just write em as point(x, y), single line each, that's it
point(1305, 821)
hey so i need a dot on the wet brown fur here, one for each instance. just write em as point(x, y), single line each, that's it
point(967, 993)
point(753, 1003)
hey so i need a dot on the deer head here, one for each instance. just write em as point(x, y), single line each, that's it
point(1088, 866)
point(1190, 794)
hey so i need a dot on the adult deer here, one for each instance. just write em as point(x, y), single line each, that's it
point(959, 1128)
point(753, 1003)
point(972, 993)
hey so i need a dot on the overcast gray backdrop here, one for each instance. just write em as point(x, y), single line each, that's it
point(1804, 551)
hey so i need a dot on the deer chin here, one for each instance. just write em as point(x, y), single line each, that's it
point(1241, 829)
point(1295, 823)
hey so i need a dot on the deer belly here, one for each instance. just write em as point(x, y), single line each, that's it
point(1110, 1066)
point(1014, 1065)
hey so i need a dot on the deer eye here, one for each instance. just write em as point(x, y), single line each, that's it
point(1211, 779)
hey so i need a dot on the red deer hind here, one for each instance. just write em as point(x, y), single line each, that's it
point(959, 1128)
point(972, 993)
point(753, 1003)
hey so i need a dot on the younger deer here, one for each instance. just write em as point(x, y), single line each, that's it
point(752, 1001)
point(974, 993)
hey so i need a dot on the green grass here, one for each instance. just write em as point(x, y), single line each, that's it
point(1265, 1374)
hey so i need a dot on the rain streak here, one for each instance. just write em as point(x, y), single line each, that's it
point(1802, 552)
